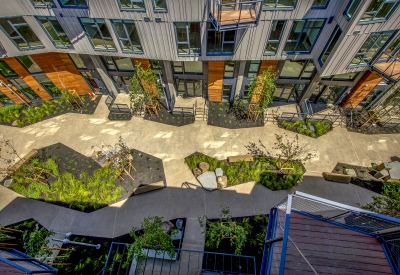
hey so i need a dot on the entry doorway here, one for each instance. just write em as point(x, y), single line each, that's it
point(190, 87)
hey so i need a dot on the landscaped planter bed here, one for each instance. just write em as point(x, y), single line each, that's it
point(78, 173)
point(166, 117)
point(47, 109)
point(119, 116)
point(223, 115)
point(311, 129)
point(374, 130)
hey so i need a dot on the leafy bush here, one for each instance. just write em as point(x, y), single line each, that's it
point(10, 113)
point(194, 160)
point(35, 240)
point(38, 113)
point(321, 128)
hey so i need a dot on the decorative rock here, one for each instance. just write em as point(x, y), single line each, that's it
point(167, 226)
point(196, 172)
point(179, 223)
point(204, 166)
point(350, 172)
point(208, 180)
point(7, 183)
point(222, 181)
point(219, 172)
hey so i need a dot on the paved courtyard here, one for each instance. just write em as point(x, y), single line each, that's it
point(172, 145)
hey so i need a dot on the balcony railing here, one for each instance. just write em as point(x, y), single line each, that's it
point(230, 15)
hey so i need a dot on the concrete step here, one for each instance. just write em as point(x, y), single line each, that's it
point(193, 237)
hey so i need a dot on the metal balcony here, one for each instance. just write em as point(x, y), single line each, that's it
point(389, 69)
point(231, 15)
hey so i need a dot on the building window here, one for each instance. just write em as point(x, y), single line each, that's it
point(77, 61)
point(279, 4)
point(274, 37)
point(303, 69)
point(5, 70)
point(74, 3)
point(189, 87)
point(188, 38)
point(226, 93)
point(303, 35)
point(379, 10)
point(25, 89)
point(332, 94)
point(131, 5)
point(42, 3)
point(351, 8)
point(54, 31)
point(98, 33)
point(188, 67)
point(320, 4)
point(374, 43)
point(160, 5)
point(5, 100)
point(346, 76)
point(317, 91)
point(220, 43)
point(229, 69)
point(393, 50)
point(246, 92)
point(128, 36)
point(90, 81)
point(115, 63)
point(20, 33)
point(46, 83)
point(330, 45)
point(156, 66)
point(123, 84)
point(254, 67)
point(29, 64)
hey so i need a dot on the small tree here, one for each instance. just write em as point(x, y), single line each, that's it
point(8, 154)
point(226, 228)
point(261, 92)
point(144, 88)
point(153, 237)
point(388, 203)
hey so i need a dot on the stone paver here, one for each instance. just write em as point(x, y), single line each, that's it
point(172, 145)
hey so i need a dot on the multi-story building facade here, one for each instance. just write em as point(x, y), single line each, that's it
point(323, 51)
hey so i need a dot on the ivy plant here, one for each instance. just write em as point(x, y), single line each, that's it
point(261, 90)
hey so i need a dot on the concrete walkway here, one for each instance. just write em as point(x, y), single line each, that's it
point(172, 145)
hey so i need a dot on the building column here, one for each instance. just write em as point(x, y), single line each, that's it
point(310, 88)
point(240, 76)
point(169, 75)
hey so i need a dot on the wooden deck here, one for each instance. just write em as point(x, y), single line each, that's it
point(391, 69)
point(236, 16)
point(329, 249)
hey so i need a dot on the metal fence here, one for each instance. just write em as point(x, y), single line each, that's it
point(386, 229)
point(329, 118)
point(184, 262)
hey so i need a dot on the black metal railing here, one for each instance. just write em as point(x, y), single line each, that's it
point(115, 108)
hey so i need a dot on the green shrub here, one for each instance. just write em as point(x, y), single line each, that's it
point(307, 132)
point(321, 128)
point(10, 113)
point(194, 160)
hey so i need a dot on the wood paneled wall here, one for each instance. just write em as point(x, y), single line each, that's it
point(60, 69)
point(144, 63)
point(362, 89)
point(27, 78)
point(215, 80)
point(10, 95)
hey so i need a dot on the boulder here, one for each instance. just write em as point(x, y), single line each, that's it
point(222, 181)
point(196, 172)
point(204, 166)
point(219, 172)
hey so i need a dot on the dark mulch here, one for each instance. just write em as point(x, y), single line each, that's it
point(166, 117)
point(356, 119)
point(222, 115)
point(254, 248)
point(364, 176)
point(374, 130)
point(112, 116)
point(149, 169)
point(89, 107)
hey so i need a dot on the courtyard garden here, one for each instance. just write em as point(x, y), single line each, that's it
point(307, 127)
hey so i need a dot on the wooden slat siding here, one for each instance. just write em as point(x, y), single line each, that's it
point(369, 81)
point(265, 64)
point(60, 69)
point(144, 63)
point(27, 78)
point(215, 80)
point(11, 96)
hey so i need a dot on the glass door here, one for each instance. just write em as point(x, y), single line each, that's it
point(189, 87)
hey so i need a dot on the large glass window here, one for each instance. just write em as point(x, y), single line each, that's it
point(55, 31)
point(379, 10)
point(332, 94)
point(351, 8)
point(5, 100)
point(317, 91)
point(99, 34)
point(303, 35)
point(188, 38)
point(131, 4)
point(160, 5)
point(393, 50)
point(20, 33)
point(77, 61)
point(49, 86)
point(188, 67)
point(330, 45)
point(303, 69)
point(284, 92)
point(128, 36)
point(374, 43)
point(25, 89)
point(90, 80)
point(274, 37)
point(5, 70)
point(189, 87)
point(279, 4)
point(229, 69)
point(254, 67)
point(42, 3)
point(220, 43)
point(226, 92)
point(29, 64)
point(346, 76)
point(123, 84)
point(114, 63)
point(74, 3)
point(320, 4)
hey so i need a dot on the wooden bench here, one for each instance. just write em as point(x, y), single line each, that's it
point(337, 177)
point(19, 163)
point(144, 188)
point(240, 158)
